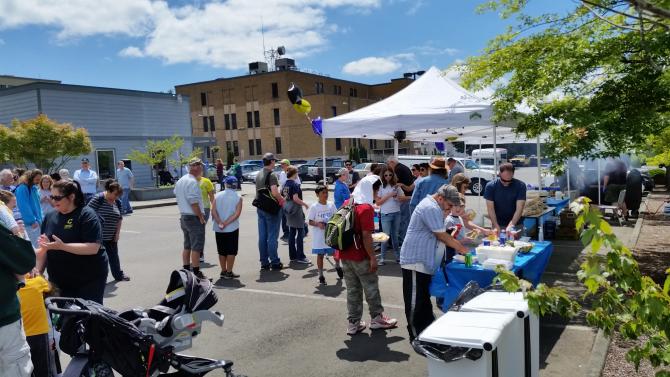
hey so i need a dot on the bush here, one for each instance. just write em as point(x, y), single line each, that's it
point(656, 171)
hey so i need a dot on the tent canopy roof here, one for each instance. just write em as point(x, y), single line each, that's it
point(432, 108)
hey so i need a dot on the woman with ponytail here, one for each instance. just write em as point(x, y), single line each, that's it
point(70, 245)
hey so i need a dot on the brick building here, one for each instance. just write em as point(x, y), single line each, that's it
point(251, 114)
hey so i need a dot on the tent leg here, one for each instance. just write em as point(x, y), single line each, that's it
point(495, 149)
point(395, 148)
point(568, 176)
point(323, 149)
point(598, 181)
point(539, 165)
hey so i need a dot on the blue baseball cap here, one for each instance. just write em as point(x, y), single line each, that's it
point(229, 180)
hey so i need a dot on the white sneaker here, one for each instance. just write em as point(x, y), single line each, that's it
point(383, 321)
point(356, 327)
point(380, 262)
point(303, 261)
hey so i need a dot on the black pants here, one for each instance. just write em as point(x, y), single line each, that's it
point(112, 249)
point(42, 356)
point(418, 308)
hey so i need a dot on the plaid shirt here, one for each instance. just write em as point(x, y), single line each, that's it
point(420, 243)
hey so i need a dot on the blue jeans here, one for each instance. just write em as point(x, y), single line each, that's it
point(295, 243)
point(268, 231)
point(125, 200)
point(33, 234)
point(405, 215)
point(284, 227)
point(391, 226)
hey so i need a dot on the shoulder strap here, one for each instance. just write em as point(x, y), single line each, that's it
point(267, 180)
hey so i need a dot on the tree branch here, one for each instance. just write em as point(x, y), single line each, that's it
point(605, 19)
point(657, 11)
point(633, 2)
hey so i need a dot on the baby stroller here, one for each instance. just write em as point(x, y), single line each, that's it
point(139, 342)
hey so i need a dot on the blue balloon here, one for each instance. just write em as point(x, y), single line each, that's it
point(317, 126)
point(439, 146)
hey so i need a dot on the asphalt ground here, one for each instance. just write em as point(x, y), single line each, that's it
point(283, 323)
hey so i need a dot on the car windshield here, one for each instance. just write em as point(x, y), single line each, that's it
point(470, 165)
point(360, 166)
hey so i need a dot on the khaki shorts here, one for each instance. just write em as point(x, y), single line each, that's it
point(14, 351)
point(194, 233)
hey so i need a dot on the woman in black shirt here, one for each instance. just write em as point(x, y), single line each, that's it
point(70, 246)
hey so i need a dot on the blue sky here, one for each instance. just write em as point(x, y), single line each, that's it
point(154, 45)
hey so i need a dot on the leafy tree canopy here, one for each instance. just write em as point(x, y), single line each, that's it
point(596, 75)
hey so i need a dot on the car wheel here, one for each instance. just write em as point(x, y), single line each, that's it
point(477, 186)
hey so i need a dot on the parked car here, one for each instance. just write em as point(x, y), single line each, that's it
point(363, 168)
point(479, 176)
point(247, 172)
point(252, 162)
point(519, 160)
point(313, 170)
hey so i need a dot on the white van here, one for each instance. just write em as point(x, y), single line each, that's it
point(479, 176)
point(485, 157)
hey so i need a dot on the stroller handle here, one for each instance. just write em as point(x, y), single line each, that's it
point(54, 305)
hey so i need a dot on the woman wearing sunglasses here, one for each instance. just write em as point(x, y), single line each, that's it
point(70, 245)
point(389, 206)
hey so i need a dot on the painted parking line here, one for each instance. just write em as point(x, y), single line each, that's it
point(130, 231)
point(298, 295)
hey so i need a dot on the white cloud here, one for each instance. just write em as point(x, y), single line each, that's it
point(415, 7)
point(131, 52)
point(374, 65)
point(216, 33)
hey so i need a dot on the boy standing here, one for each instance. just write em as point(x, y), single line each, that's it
point(226, 214)
point(318, 216)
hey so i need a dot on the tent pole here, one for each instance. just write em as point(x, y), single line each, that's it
point(495, 149)
point(568, 172)
point(465, 149)
point(539, 165)
point(395, 148)
point(598, 181)
point(323, 149)
point(479, 173)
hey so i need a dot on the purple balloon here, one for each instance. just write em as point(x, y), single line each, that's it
point(317, 126)
point(439, 146)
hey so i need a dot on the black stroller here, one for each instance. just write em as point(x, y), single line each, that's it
point(139, 342)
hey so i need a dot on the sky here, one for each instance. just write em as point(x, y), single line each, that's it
point(154, 45)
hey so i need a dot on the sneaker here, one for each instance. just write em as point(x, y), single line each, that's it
point(123, 277)
point(284, 239)
point(265, 267)
point(223, 274)
point(340, 272)
point(303, 261)
point(383, 321)
point(202, 259)
point(380, 262)
point(277, 266)
point(355, 327)
point(232, 275)
point(322, 280)
point(200, 275)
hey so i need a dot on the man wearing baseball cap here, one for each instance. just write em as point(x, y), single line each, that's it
point(87, 178)
point(269, 223)
point(285, 163)
point(418, 255)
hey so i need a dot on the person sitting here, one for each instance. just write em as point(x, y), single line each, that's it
point(505, 198)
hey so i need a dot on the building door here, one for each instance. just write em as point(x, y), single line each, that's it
point(106, 163)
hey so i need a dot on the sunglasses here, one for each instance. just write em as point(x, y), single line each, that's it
point(413, 169)
point(388, 175)
point(422, 169)
point(347, 165)
point(57, 198)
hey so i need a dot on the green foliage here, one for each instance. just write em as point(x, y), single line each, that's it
point(591, 76)
point(622, 299)
point(659, 146)
point(230, 159)
point(157, 152)
point(43, 142)
point(655, 172)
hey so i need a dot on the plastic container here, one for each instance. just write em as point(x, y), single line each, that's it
point(505, 253)
point(465, 344)
point(525, 328)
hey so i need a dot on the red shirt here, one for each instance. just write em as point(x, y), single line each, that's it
point(364, 221)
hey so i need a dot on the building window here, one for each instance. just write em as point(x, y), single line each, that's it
point(318, 86)
point(229, 147)
point(388, 144)
point(233, 119)
point(276, 114)
point(226, 121)
point(251, 148)
point(236, 149)
point(208, 152)
point(278, 145)
point(275, 90)
point(203, 99)
point(212, 127)
point(334, 109)
point(106, 163)
point(259, 148)
point(257, 119)
point(353, 92)
point(337, 90)
point(338, 144)
point(250, 120)
point(204, 124)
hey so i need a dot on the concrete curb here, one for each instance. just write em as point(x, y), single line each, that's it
point(601, 346)
point(154, 205)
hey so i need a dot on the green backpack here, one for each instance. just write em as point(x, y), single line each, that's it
point(340, 232)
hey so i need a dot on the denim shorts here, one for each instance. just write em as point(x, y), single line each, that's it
point(194, 232)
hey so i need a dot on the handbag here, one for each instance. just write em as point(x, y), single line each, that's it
point(264, 199)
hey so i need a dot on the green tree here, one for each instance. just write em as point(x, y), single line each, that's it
point(621, 299)
point(230, 159)
point(594, 75)
point(47, 144)
point(355, 156)
point(658, 149)
point(157, 152)
point(363, 154)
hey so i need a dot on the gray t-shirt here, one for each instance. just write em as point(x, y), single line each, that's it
point(260, 180)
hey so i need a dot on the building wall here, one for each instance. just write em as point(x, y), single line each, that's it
point(254, 93)
point(116, 120)
point(18, 106)
point(11, 81)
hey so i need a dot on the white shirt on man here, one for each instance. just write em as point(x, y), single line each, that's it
point(187, 191)
point(88, 179)
point(320, 213)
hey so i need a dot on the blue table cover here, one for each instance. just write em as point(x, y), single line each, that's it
point(529, 266)
point(558, 204)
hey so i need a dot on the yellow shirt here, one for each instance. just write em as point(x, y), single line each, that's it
point(33, 309)
point(206, 186)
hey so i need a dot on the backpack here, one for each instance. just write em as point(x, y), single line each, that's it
point(340, 231)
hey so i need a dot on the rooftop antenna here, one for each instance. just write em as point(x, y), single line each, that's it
point(263, 37)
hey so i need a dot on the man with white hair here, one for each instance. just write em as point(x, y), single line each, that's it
point(360, 264)
point(6, 180)
point(64, 174)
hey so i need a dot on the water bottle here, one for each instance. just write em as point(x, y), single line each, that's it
point(503, 237)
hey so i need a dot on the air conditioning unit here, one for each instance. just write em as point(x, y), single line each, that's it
point(258, 67)
point(284, 64)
